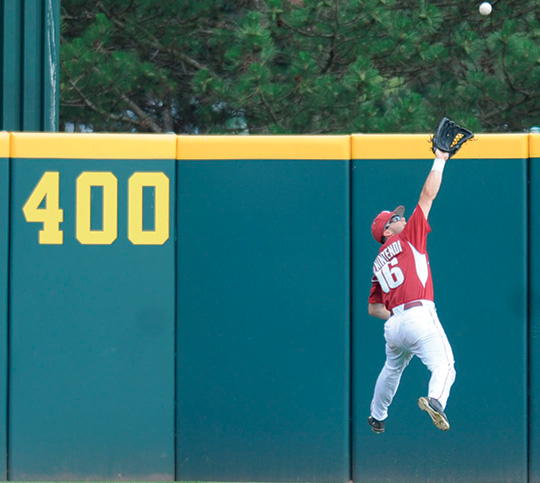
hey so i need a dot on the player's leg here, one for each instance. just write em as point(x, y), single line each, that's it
point(423, 334)
point(388, 381)
point(436, 353)
point(433, 348)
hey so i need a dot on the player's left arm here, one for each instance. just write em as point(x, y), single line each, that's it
point(376, 307)
point(379, 311)
point(432, 184)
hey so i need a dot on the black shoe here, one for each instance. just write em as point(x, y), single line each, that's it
point(435, 410)
point(376, 426)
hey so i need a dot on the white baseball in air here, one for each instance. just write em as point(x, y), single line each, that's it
point(485, 8)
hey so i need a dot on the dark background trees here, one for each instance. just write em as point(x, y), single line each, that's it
point(298, 66)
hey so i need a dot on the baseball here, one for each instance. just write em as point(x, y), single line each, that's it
point(485, 8)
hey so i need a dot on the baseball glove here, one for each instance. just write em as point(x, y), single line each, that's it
point(449, 137)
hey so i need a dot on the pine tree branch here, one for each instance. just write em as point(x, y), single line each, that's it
point(268, 108)
point(145, 119)
point(88, 103)
point(155, 43)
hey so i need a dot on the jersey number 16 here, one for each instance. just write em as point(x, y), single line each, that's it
point(390, 276)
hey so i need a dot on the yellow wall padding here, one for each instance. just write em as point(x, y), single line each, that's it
point(418, 146)
point(534, 145)
point(200, 147)
point(93, 146)
point(264, 147)
point(4, 144)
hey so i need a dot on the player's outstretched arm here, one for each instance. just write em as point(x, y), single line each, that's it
point(379, 311)
point(433, 182)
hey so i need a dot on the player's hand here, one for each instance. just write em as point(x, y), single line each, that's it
point(449, 137)
point(441, 154)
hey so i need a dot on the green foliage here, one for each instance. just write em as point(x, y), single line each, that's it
point(298, 66)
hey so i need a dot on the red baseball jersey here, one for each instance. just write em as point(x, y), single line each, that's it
point(401, 269)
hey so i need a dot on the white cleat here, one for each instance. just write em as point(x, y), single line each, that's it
point(435, 411)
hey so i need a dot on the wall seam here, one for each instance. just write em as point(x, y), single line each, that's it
point(528, 311)
point(8, 317)
point(175, 372)
point(351, 318)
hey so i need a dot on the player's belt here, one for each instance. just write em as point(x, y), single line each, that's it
point(409, 305)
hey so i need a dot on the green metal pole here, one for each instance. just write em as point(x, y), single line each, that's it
point(33, 66)
point(29, 65)
point(51, 65)
point(11, 74)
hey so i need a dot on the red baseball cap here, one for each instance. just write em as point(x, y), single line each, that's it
point(380, 221)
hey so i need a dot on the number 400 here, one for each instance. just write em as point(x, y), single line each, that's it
point(51, 215)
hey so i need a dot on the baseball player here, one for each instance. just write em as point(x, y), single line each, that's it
point(402, 295)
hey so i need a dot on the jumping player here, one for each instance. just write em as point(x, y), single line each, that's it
point(402, 295)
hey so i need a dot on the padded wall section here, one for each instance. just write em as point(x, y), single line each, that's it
point(263, 309)
point(92, 307)
point(478, 254)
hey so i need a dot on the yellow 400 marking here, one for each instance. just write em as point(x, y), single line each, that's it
point(51, 215)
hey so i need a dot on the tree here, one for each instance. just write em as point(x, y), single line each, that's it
point(298, 66)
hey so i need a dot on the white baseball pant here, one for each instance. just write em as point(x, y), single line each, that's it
point(414, 332)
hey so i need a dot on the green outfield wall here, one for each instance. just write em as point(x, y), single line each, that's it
point(480, 280)
point(194, 308)
point(92, 307)
point(263, 309)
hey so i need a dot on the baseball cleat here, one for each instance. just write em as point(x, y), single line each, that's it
point(376, 426)
point(435, 410)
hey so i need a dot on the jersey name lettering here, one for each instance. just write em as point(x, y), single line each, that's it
point(385, 267)
point(386, 255)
